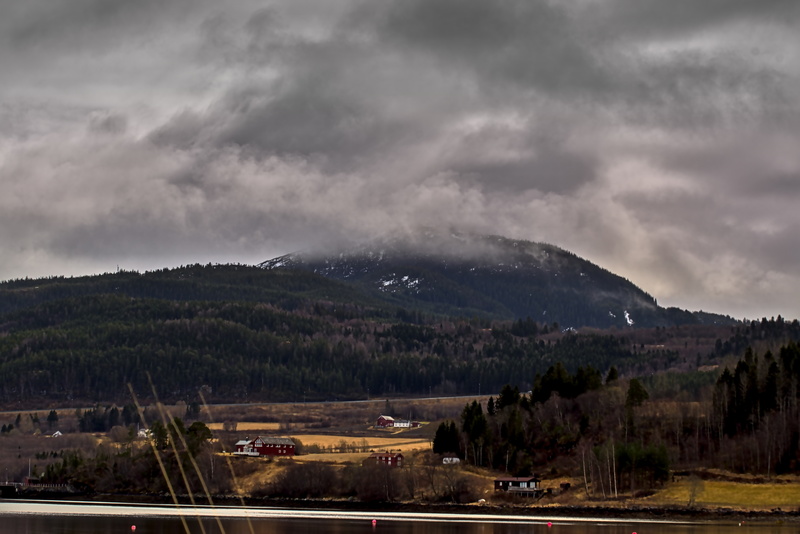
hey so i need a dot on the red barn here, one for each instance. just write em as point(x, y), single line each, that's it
point(392, 459)
point(385, 421)
point(265, 446)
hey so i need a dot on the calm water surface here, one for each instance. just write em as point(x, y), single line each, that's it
point(94, 518)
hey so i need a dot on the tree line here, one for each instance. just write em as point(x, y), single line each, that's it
point(89, 348)
point(620, 438)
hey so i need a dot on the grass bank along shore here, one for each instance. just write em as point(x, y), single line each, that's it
point(713, 499)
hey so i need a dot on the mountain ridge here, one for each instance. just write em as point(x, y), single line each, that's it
point(463, 274)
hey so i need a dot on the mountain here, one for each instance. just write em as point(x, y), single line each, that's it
point(397, 316)
point(491, 276)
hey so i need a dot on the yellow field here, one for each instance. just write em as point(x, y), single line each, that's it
point(712, 494)
point(396, 443)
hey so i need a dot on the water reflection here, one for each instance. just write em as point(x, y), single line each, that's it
point(48, 522)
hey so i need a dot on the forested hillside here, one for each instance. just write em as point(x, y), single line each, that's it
point(194, 282)
point(90, 347)
point(294, 335)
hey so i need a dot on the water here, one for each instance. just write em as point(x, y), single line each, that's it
point(18, 517)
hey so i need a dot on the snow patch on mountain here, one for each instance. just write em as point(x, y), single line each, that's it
point(393, 283)
point(628, 318)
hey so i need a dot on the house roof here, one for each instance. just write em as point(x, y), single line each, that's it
point(387, 417)
point(269, 440)
point(516, 479)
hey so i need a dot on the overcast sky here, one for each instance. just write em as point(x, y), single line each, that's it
point(660, 140)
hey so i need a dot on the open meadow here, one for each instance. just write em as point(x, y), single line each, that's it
point(725, 494)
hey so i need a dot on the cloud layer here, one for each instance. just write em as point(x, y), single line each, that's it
point(658, 140)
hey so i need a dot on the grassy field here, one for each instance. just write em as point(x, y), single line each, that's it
point(737, 495)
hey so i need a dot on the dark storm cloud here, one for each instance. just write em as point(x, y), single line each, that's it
point(108, 124)
point(531, 45)
point(651, 18)
point(654, 138)
point(88, 24)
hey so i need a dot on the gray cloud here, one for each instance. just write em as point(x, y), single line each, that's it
point(656, 139)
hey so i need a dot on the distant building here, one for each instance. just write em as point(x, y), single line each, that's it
point(265, 446)
point(386, 421)
point(450, 459)
point(524, 485)
point(392, 459)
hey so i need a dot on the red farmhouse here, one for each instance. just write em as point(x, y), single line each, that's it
point(392, 459)
point(265, 446)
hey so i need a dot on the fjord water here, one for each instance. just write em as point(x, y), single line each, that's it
point(93, 518)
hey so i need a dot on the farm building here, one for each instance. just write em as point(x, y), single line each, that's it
point(526, 485)
point(265, 446)
point(392, 459)
point(405, 423)
point(386, 421)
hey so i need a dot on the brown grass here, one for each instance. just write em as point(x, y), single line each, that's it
point(334, 458)
point(737, 495)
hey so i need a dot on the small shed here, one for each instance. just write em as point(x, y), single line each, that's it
point(450, 459)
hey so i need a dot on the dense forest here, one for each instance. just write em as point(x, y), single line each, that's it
point(90, 347)
point(294, 335)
